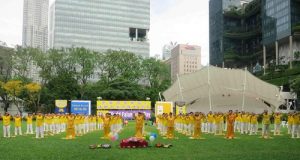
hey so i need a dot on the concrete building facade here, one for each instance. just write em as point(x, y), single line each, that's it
point(184, 59)
point(100, 25)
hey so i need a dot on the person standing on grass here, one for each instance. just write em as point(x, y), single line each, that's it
point(244, 123)
point(70, 131)
point(6, 125)
point(238, 121)
point(230, 124)
point(197, 125)
point(266, 124)
point(139, 119)
point(277, 123)
point(290, 122)
point(29, 129)
point(210, 120)
point(171, 121)
point(39, 126)
point(18, 124)
point(296, 125)
point(106, 125)
point(253, 122)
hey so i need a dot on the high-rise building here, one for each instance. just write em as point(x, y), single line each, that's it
point(35, 24)
point(184, 59)
point(264, 32)
point(101, 25)
point(235, 34)
point(281, 30)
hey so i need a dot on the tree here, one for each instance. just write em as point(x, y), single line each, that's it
point(121, 65)
point(6, 63)
point(295, 85)
point(6, 67)
point(158, 75)
point(33, 95)
point(85, 61)
point(62, 86)
point(123, 89)
point(14, 88)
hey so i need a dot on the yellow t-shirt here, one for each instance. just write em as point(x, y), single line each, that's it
point(296, 120)
point(266, 119)
point(244, 118)
point(6, 120)
point(39, 121)
point(210, 118)
point(253, 119)
point(29, 119)
point(290, 119)
point(70, 122)
point(277, 119)
point(18, 121)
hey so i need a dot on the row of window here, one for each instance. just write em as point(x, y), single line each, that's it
point(106, 11)
point(96, 6)
point(66, 16)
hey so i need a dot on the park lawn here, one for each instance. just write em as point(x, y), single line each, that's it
point(212, 148)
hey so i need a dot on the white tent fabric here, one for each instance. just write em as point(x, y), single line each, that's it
point(218, 89)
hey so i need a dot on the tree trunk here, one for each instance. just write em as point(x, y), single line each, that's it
point(7, 105)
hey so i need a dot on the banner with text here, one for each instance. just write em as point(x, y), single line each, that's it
point(81, 107)
point(126, 114)
point(123, 105)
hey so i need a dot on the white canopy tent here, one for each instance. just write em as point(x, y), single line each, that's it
point(218, 89)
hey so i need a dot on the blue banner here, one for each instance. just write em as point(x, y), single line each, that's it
point(81, 107)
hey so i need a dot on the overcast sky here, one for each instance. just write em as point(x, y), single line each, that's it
point(182, 21)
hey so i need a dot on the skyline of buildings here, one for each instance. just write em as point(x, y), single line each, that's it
point(101, 25)
point(35, 24)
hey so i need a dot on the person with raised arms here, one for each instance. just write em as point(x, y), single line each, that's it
point(29, 127)
point(266, 121)
point(18, 124)
point(139, 119)
point(6, 125)
point(106, 125)
point(230, 124)
point(39, 125)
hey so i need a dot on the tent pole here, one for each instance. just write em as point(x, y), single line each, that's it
point(209, 96)
point(180, 89)
point(245, 81)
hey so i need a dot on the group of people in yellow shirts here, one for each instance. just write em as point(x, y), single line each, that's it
point(50, 124)
point(193, 124)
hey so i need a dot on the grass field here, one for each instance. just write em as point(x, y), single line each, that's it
point(211, 148)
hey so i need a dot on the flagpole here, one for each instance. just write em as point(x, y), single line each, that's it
point(209, 96)
point(180, 89)
point(244, 89)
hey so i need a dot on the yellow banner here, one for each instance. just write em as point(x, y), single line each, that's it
point(110, 105)
point(163, 107)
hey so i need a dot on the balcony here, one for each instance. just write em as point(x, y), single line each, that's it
point(251, 9)
point(242, 34)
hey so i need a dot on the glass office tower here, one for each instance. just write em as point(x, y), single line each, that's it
point(281, 39)
point(101, 25)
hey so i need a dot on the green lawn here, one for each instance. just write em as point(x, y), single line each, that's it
point(211, 148)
